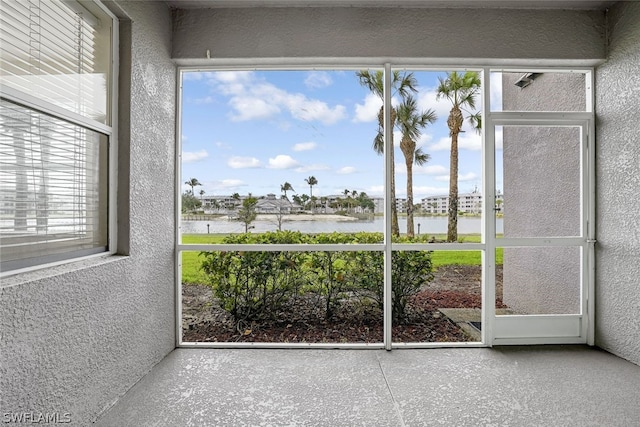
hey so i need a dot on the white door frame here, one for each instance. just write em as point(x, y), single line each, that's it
point(541, 329)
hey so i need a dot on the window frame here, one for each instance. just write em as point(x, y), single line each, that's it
point(110, 131)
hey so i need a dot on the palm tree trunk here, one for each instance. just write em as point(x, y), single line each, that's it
point(395, 228)
point(452, 225)
point(410, 227)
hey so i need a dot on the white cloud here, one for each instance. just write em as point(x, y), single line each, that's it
point(318, 80)
point(224, 185)
point(282, 161)
point(231, 78)
point(251, 108)
point(346, 170)
point(194, 156)
point(430, 170)
point(368, 110)
point(423, 140)
point(304, 146)
point(311, 168)
point(468, 140)
point(252, 98)
point(237, 162)
point(231, 183)
point(461, 177)
point(419, 192)
point(401, 168)
point(375, 190)
point(311, 109)
point(471, 176)
point(222, 145)
point(427, 99)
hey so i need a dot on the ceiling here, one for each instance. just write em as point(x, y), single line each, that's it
point(467, 4)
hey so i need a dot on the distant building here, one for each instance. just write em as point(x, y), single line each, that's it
point(272, 205)
point(467, 203)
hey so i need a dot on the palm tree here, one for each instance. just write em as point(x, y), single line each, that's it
point(461, 90)
point(411, 121)
point(401, 84)
point(311, 181)
point(353, 196)
point(347, 200)
point(193, 182)
point(304, 198)
point(201, 195)
point(286, 187)
point(236, 198)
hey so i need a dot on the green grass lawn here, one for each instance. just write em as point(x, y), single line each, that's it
point(191, 260)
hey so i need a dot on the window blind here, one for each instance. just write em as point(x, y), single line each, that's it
point(53, 188)
point(54, 171)
point(57, 51)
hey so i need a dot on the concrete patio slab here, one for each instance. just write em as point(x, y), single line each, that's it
point(515, 386)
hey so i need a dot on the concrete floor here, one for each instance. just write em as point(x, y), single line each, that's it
point(510, 386)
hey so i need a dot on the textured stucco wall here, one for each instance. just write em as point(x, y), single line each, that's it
point(542, 196)
point(388, 33)
point(76, 337)
point(618, 183)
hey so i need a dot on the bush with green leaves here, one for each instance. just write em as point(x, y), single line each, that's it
point(255, 284)
point(329, 271)
point(410, 270)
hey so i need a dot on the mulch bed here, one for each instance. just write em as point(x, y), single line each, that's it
point(452, 287)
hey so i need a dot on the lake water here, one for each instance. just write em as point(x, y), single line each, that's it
point(428, 225)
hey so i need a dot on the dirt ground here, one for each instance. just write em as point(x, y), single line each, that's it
point(453, 286)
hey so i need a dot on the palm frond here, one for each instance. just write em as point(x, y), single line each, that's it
point(420, 157)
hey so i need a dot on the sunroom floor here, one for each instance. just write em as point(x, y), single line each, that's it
point(515, 386)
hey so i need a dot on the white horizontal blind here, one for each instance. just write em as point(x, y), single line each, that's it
point(54, 171)
point(53, 188)
point(55, 50)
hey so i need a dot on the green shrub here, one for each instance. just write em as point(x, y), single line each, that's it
point(255, 284)
point(410, 270)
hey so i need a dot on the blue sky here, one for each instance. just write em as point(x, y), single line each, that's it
point(251, 131)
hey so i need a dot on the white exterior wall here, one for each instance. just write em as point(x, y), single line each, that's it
point(618, 181)
point(75, 338)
